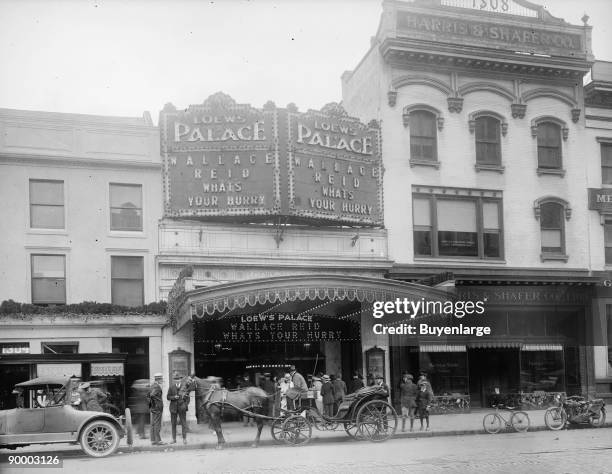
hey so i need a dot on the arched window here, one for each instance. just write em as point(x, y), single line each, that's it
point(552, 212)
point(549, 145)
point(488, 140)
point(423, 136)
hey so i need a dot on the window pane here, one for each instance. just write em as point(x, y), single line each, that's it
point(606, 154)
point(127, 267)
point(551, 239)
point(549, 134)
point(48, 266)
point(490, 215)
point(126, 219)
point(47, 217)
point(422, 242)
point(464, 244)
point(549, 158)
point(422, 214)
point(48, 290)
point(491, 244)
point(456, 216)
point(46, 192)
point(550, 215)
point(606, 175)
point(422, 124)
point(127, 292)
point(126, 195)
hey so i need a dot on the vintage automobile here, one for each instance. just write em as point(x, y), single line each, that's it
point(52, 415)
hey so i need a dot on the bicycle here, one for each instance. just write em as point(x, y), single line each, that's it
point(494, 422)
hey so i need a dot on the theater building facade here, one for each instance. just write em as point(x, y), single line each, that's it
point(482, 138)
point(272, 247)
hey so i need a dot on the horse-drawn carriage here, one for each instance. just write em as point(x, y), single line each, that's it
point(364, 415)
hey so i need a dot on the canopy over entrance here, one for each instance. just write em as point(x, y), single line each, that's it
point(334, 295)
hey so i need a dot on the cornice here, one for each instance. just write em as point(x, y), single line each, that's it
point(74, 162)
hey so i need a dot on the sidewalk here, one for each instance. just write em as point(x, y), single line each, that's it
point(237, 435)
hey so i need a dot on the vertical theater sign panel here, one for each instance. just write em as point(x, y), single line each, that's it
point(220, 159)
point(335, 170)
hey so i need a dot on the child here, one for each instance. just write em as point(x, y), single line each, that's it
point(423, 401)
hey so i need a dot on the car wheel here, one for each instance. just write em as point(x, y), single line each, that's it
point(99, 438)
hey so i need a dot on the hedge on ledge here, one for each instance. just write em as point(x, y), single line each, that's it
point(86, 307)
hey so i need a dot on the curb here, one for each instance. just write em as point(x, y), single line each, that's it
point(316, 440)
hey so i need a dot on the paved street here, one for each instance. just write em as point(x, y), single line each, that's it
point(574, 451)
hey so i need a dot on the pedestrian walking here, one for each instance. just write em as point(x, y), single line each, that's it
point(139, 405)
point(329, 397)
point(423, 401)
point(408, 394)
point(156, 407)
point(179, 401)
point(339, 391)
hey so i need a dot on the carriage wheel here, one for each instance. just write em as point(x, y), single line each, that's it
point(376, 421)
point(277, 429)
point(296, 430)
point(353, 431)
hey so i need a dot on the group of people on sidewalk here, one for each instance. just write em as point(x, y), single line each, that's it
point(415, 399)
point(178, 395)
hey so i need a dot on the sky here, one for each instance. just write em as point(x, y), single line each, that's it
point(112, 57)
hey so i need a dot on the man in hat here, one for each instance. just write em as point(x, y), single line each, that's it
point(19, 400)
point(156, 407)
point(408, 394)
point(299, 383)
point(380, 382)
point(328, 395)
point(356, 383)
point(179, 401)
point(339, 391)
point(91, 400)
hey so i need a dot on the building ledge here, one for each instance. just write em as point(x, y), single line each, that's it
point(551, 172)
point(431, 164)
point(495, 168)
point(544, 257)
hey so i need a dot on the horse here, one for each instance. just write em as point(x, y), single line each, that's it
point(215, 400)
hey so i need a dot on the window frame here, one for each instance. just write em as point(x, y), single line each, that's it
point(31, 205)
point(480, 230)
point(47, 344)
point(32, 278)
point(607, 222)
point(142, 280)
point(563, 133)
point(502, 131)
point(111, 208)
point(605, 145)
point(565, 213)
point(438, 125)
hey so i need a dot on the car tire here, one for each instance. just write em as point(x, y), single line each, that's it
point(99, 438)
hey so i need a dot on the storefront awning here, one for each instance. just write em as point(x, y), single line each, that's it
point(280, 293)
point(106, 369)
point(541, 347)
point(495, 344)
point(442, 348)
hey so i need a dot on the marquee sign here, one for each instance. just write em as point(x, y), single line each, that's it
point(277, 327)
point(220, 159)
point(223, 159)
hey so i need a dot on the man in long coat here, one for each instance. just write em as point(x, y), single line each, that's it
point(179, 401)
point(299, 383)
point(156, 407)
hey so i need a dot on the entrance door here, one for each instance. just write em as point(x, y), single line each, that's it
point(492, 370)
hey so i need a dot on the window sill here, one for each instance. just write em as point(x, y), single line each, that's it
point(554, 257)
point(552, 172)
point(438, 260)
point(136, 234)
point(495, 168)
point(431, 164)
point(47, 231)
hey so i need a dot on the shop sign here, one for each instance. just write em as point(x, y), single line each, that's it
point(450, 29)
point(334, 169)
point(526, 295)
point(58, 370)
point(107, 369)
point(278, 327)
point(600, 200)
point(15, 348)
point(223, 159)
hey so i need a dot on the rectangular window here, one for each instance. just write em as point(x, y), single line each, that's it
point(549, 146)
point(608, 241)
point(48, 279)
point(423, 136)
point(551, 226)
point(457, 227)
point(127, 281)
point(606, 163)
point(126, 207)
point(60, 347)
point(46, 204)
point(488, 146)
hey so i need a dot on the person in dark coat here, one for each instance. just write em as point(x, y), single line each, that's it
point(139, 405)
point(356, 383)
point(408, 393)
point(328, 394)
point(423, 400)
point(179, 401)
point(339, 391)
point(156, 407)
point(91, 399)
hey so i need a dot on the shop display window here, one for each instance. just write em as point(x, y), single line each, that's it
point(542, 371)
point(447, 371)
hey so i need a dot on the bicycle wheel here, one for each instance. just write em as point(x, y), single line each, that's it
point(555, 418)
point(492, 423)
point(519, 421)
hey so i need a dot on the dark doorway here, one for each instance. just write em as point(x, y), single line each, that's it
point(493, 373)
point(137, 363)
point(11, 375)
